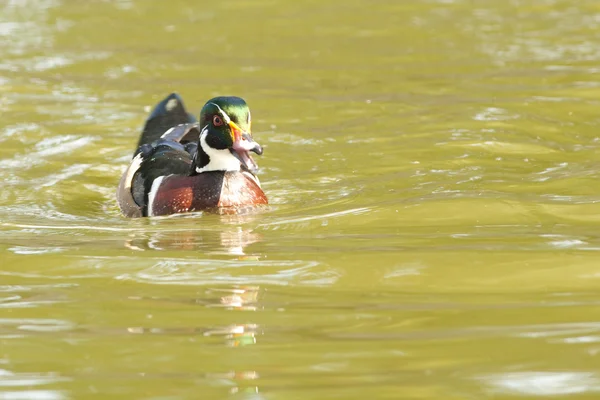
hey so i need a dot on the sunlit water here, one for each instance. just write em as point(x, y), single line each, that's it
point(432, 169)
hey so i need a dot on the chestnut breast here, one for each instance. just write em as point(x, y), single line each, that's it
point(179, 194)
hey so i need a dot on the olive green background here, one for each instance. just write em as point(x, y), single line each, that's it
point(434, 227)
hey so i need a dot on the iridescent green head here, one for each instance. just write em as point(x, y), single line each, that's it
point(225, 138)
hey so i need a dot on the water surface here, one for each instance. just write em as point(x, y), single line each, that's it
point(432, 169)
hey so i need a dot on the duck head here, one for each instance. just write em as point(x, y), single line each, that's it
point(225, 139)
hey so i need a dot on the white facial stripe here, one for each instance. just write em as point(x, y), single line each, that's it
point(223, 113)
point(219, 160)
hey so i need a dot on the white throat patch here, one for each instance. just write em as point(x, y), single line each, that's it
point(219, 160)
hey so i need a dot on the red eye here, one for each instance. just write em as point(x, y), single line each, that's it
point(217, 121)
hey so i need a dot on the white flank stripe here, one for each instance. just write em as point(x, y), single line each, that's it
point(167, 132)
point(155, 185)
point(133, 167)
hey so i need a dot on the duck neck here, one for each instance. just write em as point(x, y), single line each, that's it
point(211, 159)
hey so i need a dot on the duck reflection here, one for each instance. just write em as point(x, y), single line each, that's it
point(228, 235)
point(231, 237)
point(236, 335)
point(242, 383)
point(241, 298)
point(236, 298)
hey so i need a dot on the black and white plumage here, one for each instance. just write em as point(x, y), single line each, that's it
point(192, 166)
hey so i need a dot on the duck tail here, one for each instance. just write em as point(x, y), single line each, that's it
point(167, 113)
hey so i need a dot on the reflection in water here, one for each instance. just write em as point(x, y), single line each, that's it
point(232, 237)
point(242, 383)
point(234, 335)
point(242, 298)
point(239, 335)
point(234, 298)
point(13, 325)
point(544, 383)
point(11, 382)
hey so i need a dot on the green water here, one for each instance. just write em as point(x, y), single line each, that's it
point(432, 171)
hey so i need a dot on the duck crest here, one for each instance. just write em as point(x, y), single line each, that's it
point(180, 166)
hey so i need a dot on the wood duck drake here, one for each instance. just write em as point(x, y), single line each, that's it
point(182, 165)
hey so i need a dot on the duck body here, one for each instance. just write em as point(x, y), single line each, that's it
point(183, 166)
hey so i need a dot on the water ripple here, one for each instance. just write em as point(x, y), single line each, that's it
point(35, 325)
point(182, 272)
